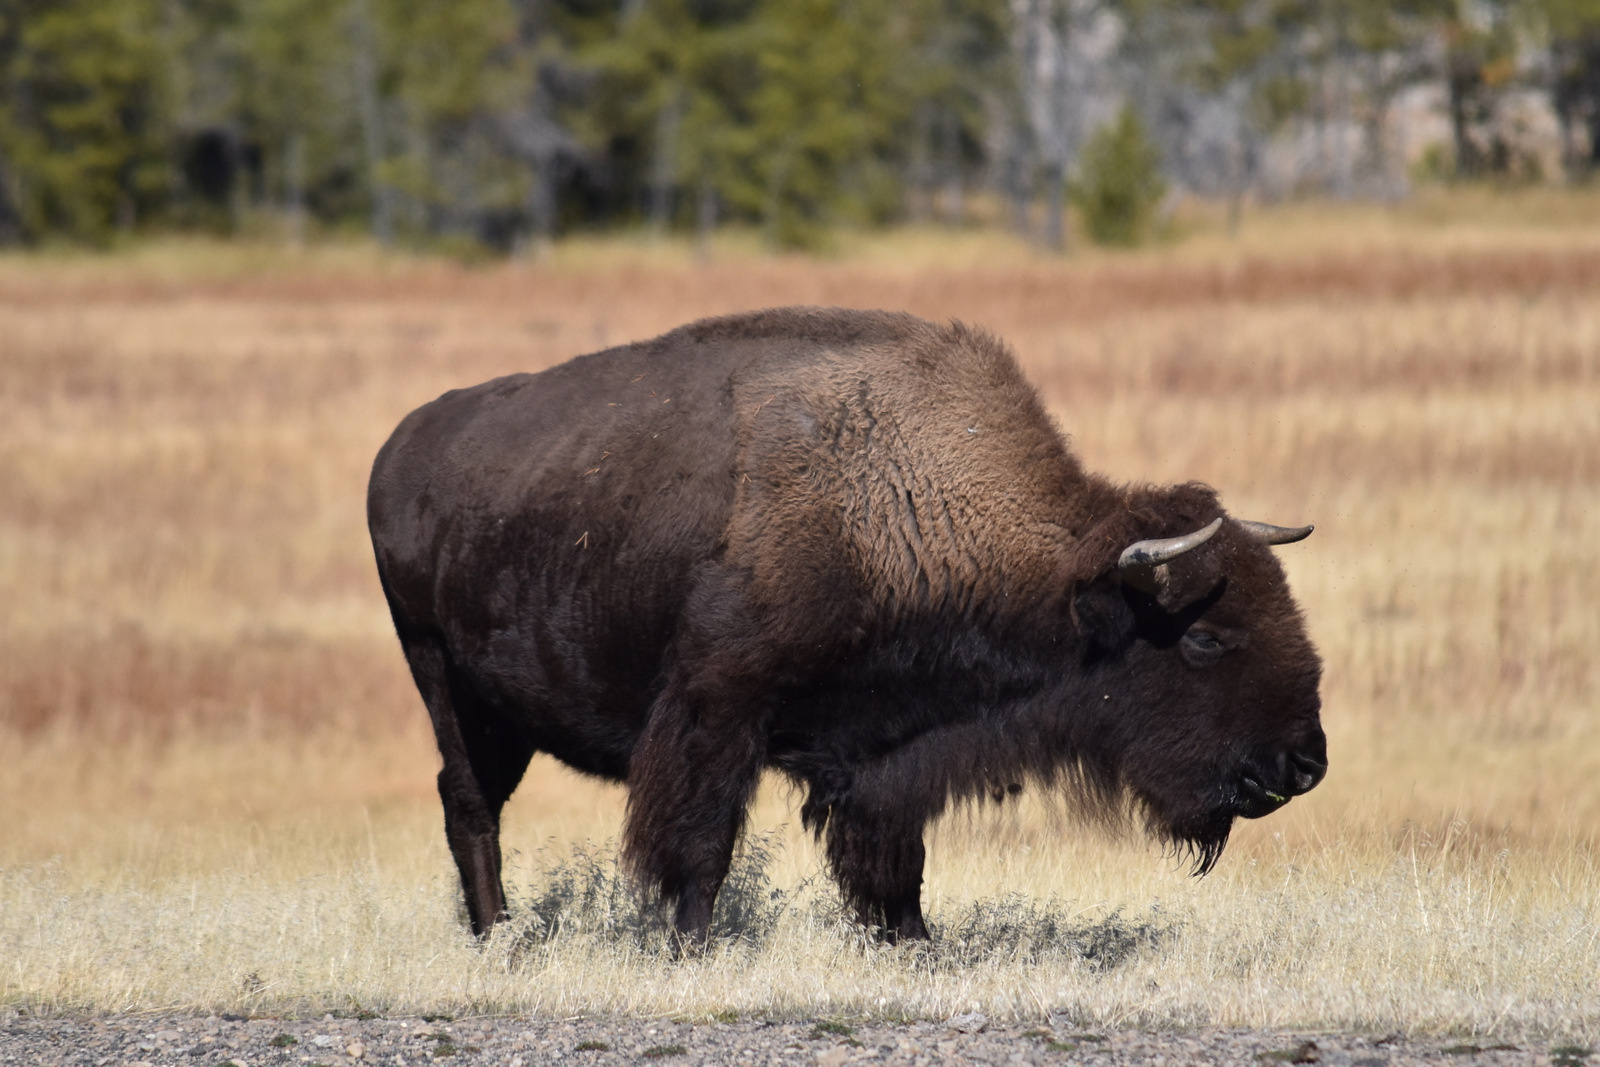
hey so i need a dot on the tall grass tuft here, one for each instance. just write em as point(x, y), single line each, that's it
point(586, 895)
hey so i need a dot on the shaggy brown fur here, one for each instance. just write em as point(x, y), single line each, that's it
point(848, 545)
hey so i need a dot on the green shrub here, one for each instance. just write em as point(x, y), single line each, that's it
point(1119, 183)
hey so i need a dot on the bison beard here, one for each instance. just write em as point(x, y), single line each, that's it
point(850, 546)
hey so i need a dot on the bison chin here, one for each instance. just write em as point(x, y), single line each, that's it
point(1198, 837)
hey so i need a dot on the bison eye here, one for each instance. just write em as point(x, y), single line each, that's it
point(1201, 648)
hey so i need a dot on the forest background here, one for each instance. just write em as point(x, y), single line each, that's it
point(498, 124)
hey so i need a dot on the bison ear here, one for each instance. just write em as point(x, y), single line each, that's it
point(1102, 616)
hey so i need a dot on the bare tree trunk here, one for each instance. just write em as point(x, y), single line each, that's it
point(1020, 192)
point(1319, 126)
point(1038, 50)
point(1571, 168)
point(921, 195)
point(1028, 29)
point(705, 217)
point(954, 206)
point(663, 181)
point(1588, 92)
point(1463, 79)
point(542, 208)
point(1055, 224)
point(543, 150)
point(1010, 150)
point(1377, 112)
point(295, 187)
point(366, 72)
point(10, 210)
point(774, 200)
point(1238, 180)
point(175, 68)
point(419, 212)
point(239, 187)
point(1342, 173)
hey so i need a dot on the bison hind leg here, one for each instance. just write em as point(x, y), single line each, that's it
point(483, 762)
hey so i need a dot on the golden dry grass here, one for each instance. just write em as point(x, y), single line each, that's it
point(218, 779)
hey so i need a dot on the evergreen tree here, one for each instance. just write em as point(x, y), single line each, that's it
point(957, 75)
point(1119, 182)
point(82, 118)
point(293, 99)
point(448, 65)
point(1480, 62)
point(817, 150)
point(1573, 31)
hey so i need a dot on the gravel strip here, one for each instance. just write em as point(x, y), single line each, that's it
point(172, 1040)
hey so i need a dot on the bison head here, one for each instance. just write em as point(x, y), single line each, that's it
point(1203, 683)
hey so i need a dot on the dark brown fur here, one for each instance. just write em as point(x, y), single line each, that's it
point(847, 545)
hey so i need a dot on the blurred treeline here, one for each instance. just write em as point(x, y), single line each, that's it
point(506, 122)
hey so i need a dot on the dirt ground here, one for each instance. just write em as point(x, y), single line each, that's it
point(168, 1040)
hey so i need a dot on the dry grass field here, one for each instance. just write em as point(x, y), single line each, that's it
point(216, 779)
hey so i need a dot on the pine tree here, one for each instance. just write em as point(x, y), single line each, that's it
point(294, 101)
point(82, 120)
point(1119, 183)
point(819, 147)
point(1573, 31)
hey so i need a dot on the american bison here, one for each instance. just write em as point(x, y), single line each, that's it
point(847, 545)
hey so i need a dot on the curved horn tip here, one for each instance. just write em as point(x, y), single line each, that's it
point(1142, 554)
point(1268, 534)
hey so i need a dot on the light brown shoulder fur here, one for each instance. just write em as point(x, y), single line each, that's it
point(917, 450)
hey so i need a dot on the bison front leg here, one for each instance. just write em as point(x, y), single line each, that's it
point(689, 783)
point(877, 857)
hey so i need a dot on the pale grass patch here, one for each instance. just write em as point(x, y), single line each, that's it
point(218, 780)
point(270, 879)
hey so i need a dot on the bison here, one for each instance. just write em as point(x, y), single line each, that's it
point(847, 545)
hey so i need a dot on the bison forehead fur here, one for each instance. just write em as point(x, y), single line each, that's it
point(847, 545)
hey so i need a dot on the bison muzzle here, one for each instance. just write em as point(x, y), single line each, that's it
point(850, 546)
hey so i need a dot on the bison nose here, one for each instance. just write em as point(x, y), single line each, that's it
point(1304, 765)
point(1307, 772)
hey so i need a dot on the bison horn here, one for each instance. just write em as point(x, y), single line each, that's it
point(1141, 562)
point(1269, 534)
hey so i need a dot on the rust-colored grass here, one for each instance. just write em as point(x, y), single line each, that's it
point(210, 740)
